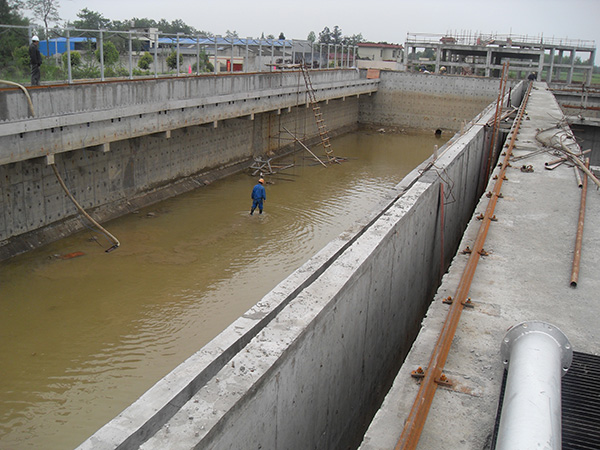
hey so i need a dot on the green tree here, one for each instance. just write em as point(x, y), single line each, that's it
point(336, 35)
point(21, 57)
point(91, 20)
point(325, 36)
point(353, 40)
point(110, 53)
point(47, 11)
point(145, 61)
point(281, 36)
point(172, 60)
point(11, 38)
point(311, 37)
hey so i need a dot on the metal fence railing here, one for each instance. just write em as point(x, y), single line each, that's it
point(76, 54)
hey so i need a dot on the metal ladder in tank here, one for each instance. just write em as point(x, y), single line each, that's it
point(322, 128)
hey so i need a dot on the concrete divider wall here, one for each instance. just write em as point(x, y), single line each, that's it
point(140, 171)
point(69, 99)
point(309, 364)
point(428, 101)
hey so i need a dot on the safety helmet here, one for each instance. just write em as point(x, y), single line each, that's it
point(35, 39)
point(261, 181)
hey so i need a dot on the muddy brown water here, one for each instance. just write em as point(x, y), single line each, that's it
point(84, 337)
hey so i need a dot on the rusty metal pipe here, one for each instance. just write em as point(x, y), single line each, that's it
point(578, 176)
point(556, 161)
point(418, 415)
point(579, 237)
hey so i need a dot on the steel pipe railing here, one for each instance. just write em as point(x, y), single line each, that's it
point(537, 355)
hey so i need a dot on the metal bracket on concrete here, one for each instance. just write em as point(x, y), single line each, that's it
point(418, 373)
point(443, 380)
point(467, 303)
point(481, 217)
point(215, 124)
point(50, 159)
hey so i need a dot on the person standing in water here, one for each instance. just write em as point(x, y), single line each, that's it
point(259, 195)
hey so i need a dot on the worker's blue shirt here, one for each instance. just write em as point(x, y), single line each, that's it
point(259, 193)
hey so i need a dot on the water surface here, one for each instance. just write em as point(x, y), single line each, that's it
point(82, 338)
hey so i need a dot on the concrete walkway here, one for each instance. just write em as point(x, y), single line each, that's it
point(525, 277)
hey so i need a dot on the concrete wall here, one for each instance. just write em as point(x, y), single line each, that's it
point(142, 170)
point(427, 101)
point(308, 365)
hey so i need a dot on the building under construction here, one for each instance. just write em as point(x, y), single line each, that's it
point(478, 54)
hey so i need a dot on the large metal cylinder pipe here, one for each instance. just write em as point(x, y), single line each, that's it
point(537, 355)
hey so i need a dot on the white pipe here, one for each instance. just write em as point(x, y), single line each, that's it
point(537, 355)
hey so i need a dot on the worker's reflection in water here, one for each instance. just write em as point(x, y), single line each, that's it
point(259, 195)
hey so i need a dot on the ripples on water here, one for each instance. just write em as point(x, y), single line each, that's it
point(83, 338)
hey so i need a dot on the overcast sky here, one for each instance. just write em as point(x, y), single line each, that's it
point(376, 20)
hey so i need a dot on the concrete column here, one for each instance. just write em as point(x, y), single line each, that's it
point(588, 79)
point(335, 56)
point(572, 64)
point(438, 57)
point(540, 65)
point(560, 60)
point(320, 56)
point(551, 68)
point(488, 61)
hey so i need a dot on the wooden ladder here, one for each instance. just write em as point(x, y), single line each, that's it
point(322, 128)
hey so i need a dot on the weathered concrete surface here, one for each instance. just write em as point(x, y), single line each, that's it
point(307, 366)
point(426, 101)
point(525, 277)
point(95, 115)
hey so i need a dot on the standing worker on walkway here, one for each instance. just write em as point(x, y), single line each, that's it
point(259, 195)
point(35, 59)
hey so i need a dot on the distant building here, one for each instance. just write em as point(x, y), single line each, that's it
point(59, 45)
point(373, 55)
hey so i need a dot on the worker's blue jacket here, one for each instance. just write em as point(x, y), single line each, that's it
point(259, 193)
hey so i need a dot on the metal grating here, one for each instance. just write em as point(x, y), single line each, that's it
point(580, 404)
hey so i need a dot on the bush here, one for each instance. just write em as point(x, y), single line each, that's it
point(86, 71)
point(75, 59)
point(145, 61)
